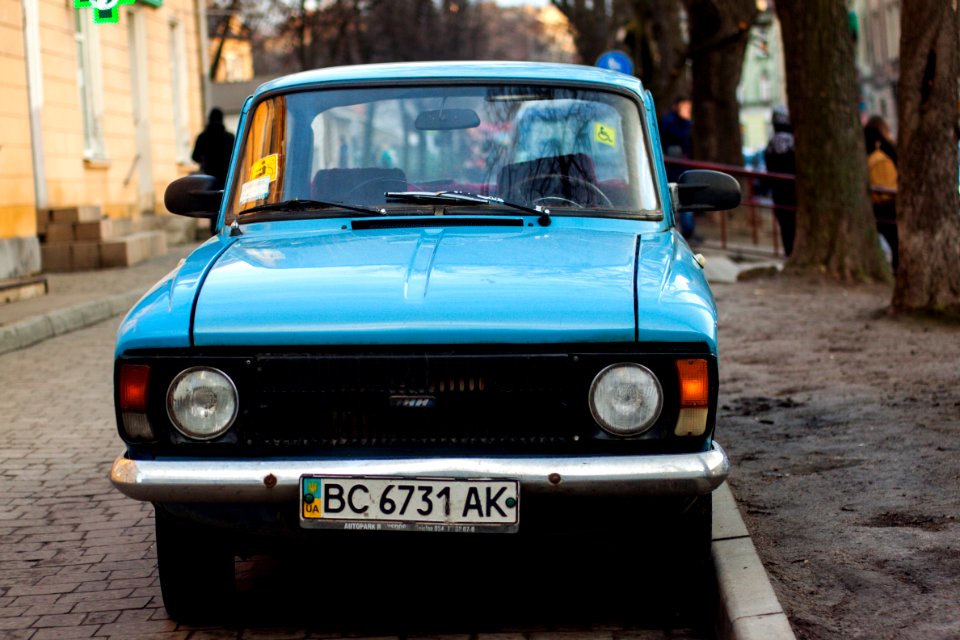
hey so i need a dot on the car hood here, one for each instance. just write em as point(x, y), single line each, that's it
point(421, 286)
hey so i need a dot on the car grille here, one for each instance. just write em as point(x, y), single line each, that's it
point(418, 400)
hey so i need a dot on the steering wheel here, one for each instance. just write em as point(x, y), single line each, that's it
point(357, 187)
point(542, 201)
point(518, 188)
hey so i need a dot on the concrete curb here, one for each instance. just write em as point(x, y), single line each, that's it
point(747, 607)
point(721, 268)
point(20, 335)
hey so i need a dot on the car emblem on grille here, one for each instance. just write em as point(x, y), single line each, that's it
point(413, 402)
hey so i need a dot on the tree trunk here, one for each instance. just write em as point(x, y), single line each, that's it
point(304, 39)
point(928, 206)
point(223, 32)
point(659, 52)
point(835, 226)
point(719, 31)
point(594, 25)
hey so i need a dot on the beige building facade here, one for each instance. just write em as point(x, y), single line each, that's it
point(762, 85)
point(878, 57)
point(97, 117)
point(19, 251)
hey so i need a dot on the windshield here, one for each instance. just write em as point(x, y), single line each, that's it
point(572, 150)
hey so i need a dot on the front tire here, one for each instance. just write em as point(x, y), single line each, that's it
point(693, 532)
point(688, 574)
point(196, 569)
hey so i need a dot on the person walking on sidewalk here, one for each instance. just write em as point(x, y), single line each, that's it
point(882, 167)
point(675, 137)
point(780, 157)
point(213, 148)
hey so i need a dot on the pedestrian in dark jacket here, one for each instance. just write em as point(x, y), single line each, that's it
point(675, 129)
point(675, 138)
point(213, 148)
point(780, 157)
point(882, 167)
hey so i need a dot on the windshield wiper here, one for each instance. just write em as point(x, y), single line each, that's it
point(463, 197)
point(313, 205)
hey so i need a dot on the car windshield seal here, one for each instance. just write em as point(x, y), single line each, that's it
point(298, 204)
point(461, 197)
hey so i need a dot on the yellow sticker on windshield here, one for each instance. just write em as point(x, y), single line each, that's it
point(265, 168)
point(604, 134)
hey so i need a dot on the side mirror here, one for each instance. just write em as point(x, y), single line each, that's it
point(701, 190)
point(193, 196)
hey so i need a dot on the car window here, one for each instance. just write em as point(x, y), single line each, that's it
point(566, 148)
point(573, 126)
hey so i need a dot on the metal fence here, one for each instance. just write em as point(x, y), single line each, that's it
point(752, 228)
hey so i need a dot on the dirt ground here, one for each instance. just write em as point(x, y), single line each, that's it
point(843, 427)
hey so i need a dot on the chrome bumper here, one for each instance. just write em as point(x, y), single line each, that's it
point(230, 480)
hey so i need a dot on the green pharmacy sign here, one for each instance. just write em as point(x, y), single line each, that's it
point(108, 11)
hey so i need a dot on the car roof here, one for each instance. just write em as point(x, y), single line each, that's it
point(454, 71)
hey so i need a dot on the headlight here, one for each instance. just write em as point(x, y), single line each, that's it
point(202, 403)
point(625, 399)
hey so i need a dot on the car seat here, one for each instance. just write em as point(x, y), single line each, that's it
point(571, 176)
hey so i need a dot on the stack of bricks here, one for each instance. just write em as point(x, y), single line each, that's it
point(80, 238)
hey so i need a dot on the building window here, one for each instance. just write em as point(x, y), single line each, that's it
point(178, 87)
point(764, 86)
point(880, 38)
point(893, 30)
point(867, 37)
point(90, 83)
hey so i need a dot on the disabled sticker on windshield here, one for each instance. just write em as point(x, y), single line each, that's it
point(604, 134)
point(265, 168)
point(255, 190)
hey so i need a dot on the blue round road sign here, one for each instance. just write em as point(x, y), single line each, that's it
point(616, 61)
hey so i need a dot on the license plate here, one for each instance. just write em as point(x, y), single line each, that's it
point(404, 504)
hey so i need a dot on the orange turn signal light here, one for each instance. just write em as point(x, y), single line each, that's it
point(694, 383)
point(133, 387)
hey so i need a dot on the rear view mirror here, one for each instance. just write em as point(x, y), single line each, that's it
point(193, 196)
point(447, 119)
point(702, 190)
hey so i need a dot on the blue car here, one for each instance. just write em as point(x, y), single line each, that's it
point(443, 300)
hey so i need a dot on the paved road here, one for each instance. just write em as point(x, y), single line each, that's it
point(77, 558)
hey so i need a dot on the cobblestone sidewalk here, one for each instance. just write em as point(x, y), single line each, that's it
point(77, 300)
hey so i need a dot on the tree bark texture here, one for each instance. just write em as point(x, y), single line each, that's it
point(719, 31)
point(928, 206)
point(835, 225)
point(659, 52)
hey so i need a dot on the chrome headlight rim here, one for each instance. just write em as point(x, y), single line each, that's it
point(644, 426)
point(176, 422)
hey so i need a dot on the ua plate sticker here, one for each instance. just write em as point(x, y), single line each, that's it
point(311, 503)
